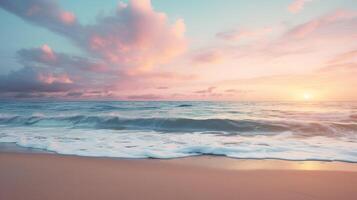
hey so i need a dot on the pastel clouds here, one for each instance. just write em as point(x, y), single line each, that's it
point(42, 13)
point(303, 48)
point(135, 36)
point(297, 5)
point(46, 57)
point(208, 57)
point(51, 78)
point(67, 17)
point(336, 28)
point(123, 47)
point(30, 79)
point(47, 53)
point(138, 53)
point(347, 57)
point(209, 90)
point(236, 35)
point(324, 21)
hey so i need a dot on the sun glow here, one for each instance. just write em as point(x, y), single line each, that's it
point(307, 96)
point(304, 95)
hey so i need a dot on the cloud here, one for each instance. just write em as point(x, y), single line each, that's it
point(297, 5)
point(127, 49)
point(44, 56)
point(348, 68)
point(84, 73)
point(312, 26)
point(298, 49)
point(206, 91)
point(30, 95)
point(347, 57)
point(47, 53)
point(235, 91)
point(237, 35)
point(322, 36)
point(67, 17)
point(52, 73)
point(162, 88)
point(30, 79)
point(211, 56)
point(143, 81)
point(144, 97)
point(314, 36)
point(74, 94)
point(43, 13)
point(135, 36)
point(123, 48)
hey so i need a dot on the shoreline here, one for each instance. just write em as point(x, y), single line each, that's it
point(211, 161)
point(52, 176)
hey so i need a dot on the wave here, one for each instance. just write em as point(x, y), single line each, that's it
point(184, 105)
point(121, 108)
point(151, 144)
point(183, 124)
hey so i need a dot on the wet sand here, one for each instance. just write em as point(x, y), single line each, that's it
point(37, 176)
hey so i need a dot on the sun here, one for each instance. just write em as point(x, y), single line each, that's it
point(307, 96)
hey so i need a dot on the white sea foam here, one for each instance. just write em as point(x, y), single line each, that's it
point(151, 144)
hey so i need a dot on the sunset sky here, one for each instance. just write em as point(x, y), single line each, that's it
point(179, 50)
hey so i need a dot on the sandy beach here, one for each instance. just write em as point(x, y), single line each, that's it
point(178, 100)
point(40, 176)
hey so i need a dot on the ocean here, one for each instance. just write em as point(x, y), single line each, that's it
point(167, 129)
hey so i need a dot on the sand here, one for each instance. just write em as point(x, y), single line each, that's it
point(50, 177)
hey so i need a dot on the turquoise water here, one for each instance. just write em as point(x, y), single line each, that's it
point(282, 130)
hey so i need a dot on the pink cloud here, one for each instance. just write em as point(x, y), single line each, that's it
point(297, 5)
point(67, 17)
point(144, 80)
point(209, 57)
point(128, 49)
point(347, 57)
point(52, 78)
point(237, 35)
point(47, 57)
point(291, 51)
point(30, 80)
point(144, 97)
point(135, 36)
point(311, 26)
point(43, 13)
point(206, 91)
point(47, 53)
point(97, 42)
point(124, 47)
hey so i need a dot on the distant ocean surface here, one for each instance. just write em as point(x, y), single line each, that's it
point(281, 130)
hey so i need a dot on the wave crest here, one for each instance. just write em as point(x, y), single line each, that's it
point(182, 124)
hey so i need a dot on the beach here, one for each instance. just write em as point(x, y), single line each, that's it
point(174, 150)
point(178, 100)
point(37, 176)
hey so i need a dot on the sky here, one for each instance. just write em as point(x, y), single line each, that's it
point(235, 50)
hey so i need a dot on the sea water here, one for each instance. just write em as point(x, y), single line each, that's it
point(167, 129)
